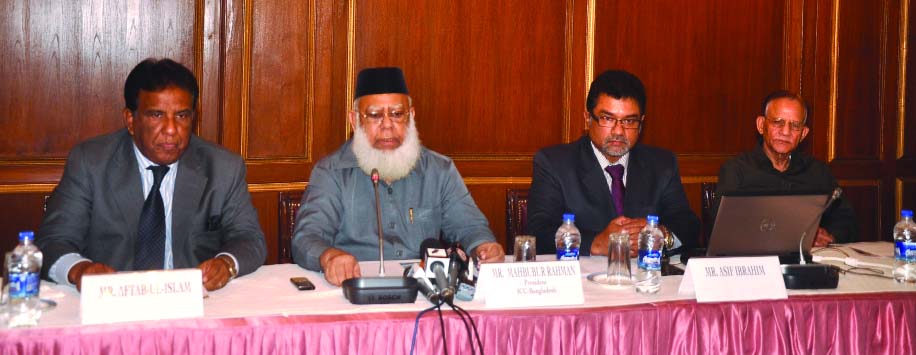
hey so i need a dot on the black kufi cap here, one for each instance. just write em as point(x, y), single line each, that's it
point(385, 80)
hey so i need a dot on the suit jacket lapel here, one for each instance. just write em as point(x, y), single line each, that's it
point(592, 178)
point(127, 188)
point(189, 187)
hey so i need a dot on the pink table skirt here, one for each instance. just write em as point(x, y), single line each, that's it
point(883, 323)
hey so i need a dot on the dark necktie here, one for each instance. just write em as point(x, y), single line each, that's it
point(150, 247)
point(617, 188)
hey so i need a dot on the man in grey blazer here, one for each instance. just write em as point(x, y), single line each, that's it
point(607, 179)
point(104, 215)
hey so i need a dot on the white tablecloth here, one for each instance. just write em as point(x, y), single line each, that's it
point(268, 291)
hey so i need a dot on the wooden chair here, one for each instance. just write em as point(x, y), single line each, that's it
point(710, 201)
point(516, 216)
point(289, 205)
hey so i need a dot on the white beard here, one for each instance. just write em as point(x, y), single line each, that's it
point(392, 165)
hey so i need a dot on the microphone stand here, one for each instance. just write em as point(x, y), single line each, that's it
point(378, 220)
point(811, 276)
point(381, 289)
point(801, 256)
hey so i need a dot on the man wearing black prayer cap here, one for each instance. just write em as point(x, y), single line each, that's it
point(422, 194)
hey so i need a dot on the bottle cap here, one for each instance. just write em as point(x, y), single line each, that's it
point(569, 217)
point(652, 218)
point(906, 213)
point(30, 235)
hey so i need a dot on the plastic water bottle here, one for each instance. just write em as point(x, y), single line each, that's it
point(648, 275)
point(905, 248)
point(568, 238)
point(24, 266)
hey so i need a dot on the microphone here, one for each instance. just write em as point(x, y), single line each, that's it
point(438, 269)
point(381, 289)
point(812, 276)
point(837, 192)
point(425, 247)
point(435, 262)
point(455, 265)
point(433, 252)
point(378, 221)
point(423, 284)
point(432, 259)
point(467, 281)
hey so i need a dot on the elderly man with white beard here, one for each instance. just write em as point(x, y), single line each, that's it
point(422, 193)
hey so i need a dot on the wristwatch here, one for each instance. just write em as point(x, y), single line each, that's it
point(233, 272)
point(669, 238)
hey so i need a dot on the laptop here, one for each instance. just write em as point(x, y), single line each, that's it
point(755, 224)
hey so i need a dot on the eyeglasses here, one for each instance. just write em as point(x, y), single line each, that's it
point(780, 123)
point(397, 115)
point(629, 122)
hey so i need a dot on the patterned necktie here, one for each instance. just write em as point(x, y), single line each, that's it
point(617, 188)
point(150, 247)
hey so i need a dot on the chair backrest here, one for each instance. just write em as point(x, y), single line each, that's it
point(289, 205)
point(516, 215)
point(709, 200)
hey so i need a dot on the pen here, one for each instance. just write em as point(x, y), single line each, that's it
point(410, 214)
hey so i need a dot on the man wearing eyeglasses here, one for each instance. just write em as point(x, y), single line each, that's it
point(422, 194)
point(606, 178)
point(775, 166)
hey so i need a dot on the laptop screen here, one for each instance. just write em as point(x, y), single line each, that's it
point(765, 224)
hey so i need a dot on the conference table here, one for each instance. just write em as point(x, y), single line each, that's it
point(262, 313)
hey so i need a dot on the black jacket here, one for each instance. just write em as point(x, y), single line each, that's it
point(567, 178)
point(752, 172)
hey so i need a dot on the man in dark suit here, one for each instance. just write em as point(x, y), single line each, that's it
point(152, 195)
point(608, 180)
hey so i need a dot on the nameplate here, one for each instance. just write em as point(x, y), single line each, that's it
point(733, 279)
point(532, 284)
point(146, 295)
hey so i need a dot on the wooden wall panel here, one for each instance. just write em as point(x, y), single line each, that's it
point(864, 196)
point(907, 191)
point(859, 83)
point(268, 216)
point(63, 65)
point(20, 212)
point(491, 199)
point(706, 66)
point(277, 81)
point(279, 92)
point(487, 77)
point(905, 128)
point(493, 82)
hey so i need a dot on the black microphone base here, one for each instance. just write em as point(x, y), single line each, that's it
point(810, 276)
point(380, 290)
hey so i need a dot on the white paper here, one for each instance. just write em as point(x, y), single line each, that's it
point(530, 284)
point(147, 295)
point(734, 279)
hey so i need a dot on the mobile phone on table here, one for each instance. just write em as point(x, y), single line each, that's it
point(302, 283)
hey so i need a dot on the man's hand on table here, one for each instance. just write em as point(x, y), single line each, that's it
point(216, 272)
point(823, 238)
point(338, 266)
point(631, 225)
point(78, 270)
point(490, 252)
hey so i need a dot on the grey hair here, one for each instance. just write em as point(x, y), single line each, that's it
point(784, 94)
